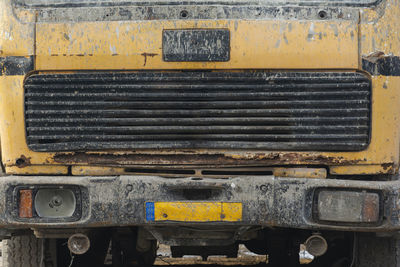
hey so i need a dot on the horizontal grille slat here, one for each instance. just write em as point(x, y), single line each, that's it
point(192, 87)
point(118, 113)
point(196, 121)
point(194, 144)
point(202, 104)
point(198, 129)
point(275, 137)
point(244, 110)
point(198, 96)
point(241, 77)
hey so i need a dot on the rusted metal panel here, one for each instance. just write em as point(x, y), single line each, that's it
point(214, 159)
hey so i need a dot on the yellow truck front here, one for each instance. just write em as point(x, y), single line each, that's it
point(201, 125)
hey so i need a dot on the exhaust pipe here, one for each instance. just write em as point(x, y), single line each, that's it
point(314, 246)
point(78, 244)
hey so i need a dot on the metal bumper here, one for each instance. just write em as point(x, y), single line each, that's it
point(266, 200)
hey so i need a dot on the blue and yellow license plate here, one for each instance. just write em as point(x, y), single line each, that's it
point(194, 211)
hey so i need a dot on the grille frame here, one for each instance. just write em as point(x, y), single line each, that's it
point(191, 76)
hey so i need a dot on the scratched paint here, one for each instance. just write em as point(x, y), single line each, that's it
point(260, 37)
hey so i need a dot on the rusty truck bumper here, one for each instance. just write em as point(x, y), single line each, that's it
point(264, 201)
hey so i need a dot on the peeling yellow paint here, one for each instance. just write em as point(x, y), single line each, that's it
point(380, 30)
point(16, 37)
point(360, 169)
point(382, 149)
point(301, 172)
point(255, 44)
point(96, 170)
point(38, 170)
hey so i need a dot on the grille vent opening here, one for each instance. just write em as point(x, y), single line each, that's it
point(303, 111)
point(198, 174)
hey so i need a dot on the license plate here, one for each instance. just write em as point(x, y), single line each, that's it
point(194, 211)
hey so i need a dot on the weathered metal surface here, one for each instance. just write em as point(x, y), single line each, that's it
point(379, 64)
point(202, 171)
point(320, 173)
point(363, 169)
point(15, 65)
point(16, 38)
point(379, 40)
point(230, 250)
point(196, 45)
point(381, 148)
point(94, 3)
point(267, 44)
point(222, 234)
point(267, 201)
point(211, 159)
point(38, 169)
point(278, 37)
point(244, 257)
point(196, 11)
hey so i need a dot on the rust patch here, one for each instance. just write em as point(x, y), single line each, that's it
point(263, 159)
point(371, 208)
point(25, 203)
point(23, 161)
point(145, 55)
point(387, 166)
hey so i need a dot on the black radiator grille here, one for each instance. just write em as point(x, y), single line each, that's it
point(221, 110)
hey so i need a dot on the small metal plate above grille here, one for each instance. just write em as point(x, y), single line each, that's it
point(196, 45)
point(220, 110)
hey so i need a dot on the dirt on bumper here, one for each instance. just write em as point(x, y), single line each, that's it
point(266, 200)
